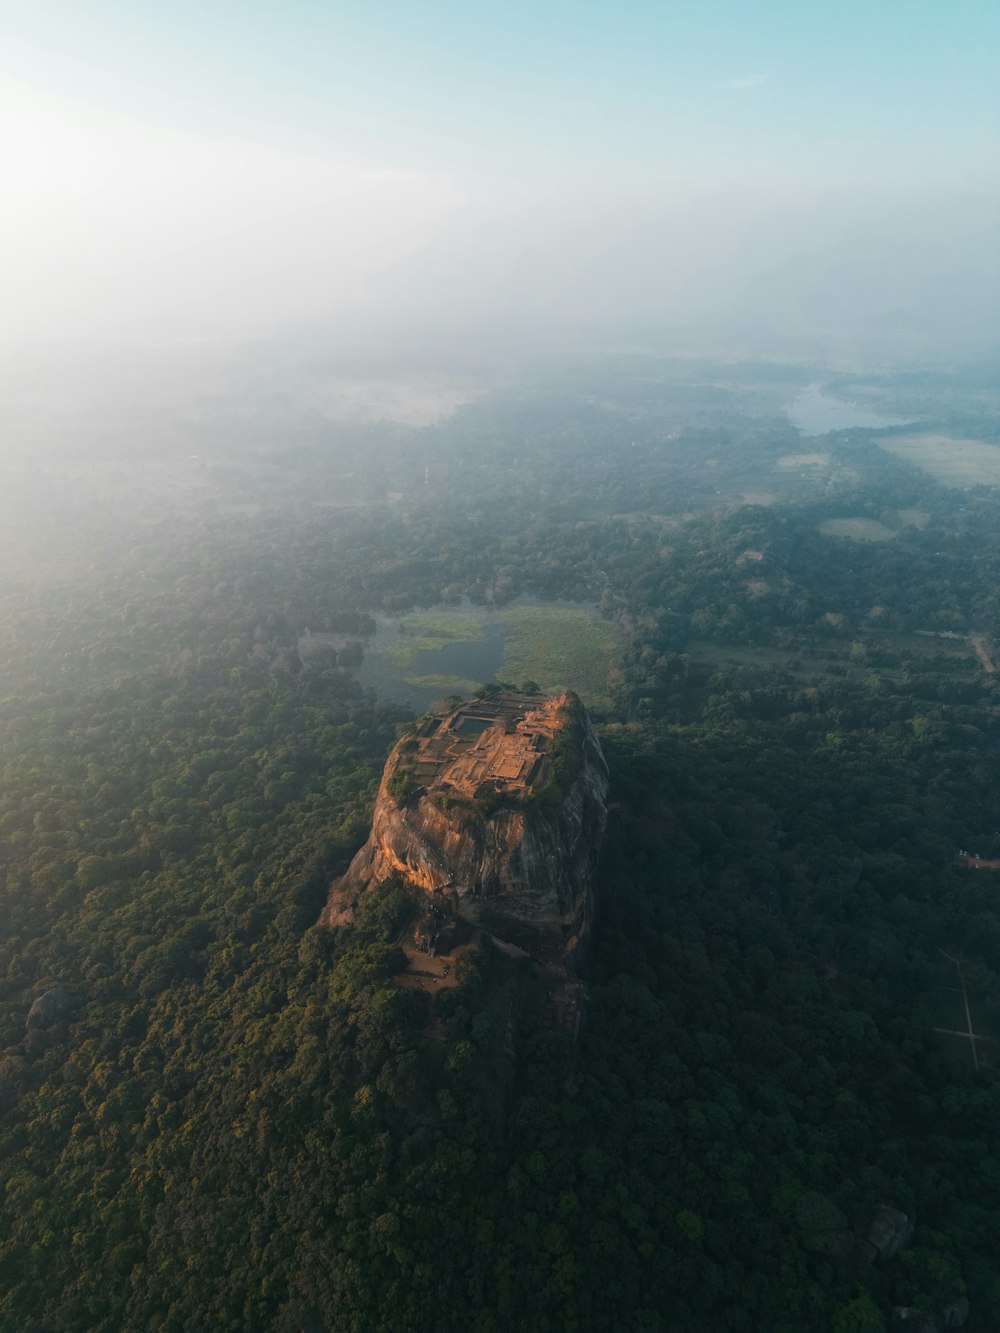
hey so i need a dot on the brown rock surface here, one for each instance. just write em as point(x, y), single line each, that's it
point(495, 810)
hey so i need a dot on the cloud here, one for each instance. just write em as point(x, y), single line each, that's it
point(106, 222)
point(114, 228)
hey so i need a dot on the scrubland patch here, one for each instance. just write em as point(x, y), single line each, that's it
point(857, 529)
point(792, 461)
point(445, 683)
point(560, 647)
point(948, 459)
point(913, 518)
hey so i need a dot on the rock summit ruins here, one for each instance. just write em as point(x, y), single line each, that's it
point(494, 810)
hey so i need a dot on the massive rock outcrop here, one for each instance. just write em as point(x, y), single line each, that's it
point(495, 810)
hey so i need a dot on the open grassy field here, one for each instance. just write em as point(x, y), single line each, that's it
point(922, 645)
point(444, 684)
point(913, 518)
point(953, 461)
point(805, 665)
point(817, 662)
point(857, 529)
point(560, 647)
point(792, 461)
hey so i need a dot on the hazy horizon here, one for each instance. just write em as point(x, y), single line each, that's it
point(400, 178)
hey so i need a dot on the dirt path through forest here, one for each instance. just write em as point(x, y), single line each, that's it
point(981, 644)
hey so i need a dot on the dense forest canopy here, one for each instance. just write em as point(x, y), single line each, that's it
point(214, 1114)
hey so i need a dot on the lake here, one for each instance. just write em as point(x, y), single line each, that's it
point(420, 678)
point(478, 659)
point(423, 655)
point(817, 413)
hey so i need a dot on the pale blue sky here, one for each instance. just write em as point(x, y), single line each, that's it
point(494, 117)
point(518, 84)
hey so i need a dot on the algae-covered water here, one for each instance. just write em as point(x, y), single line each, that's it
point(420, 657)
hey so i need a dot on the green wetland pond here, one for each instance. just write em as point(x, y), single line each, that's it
point(419, 657)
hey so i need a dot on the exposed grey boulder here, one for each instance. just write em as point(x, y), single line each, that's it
point(955, 1313)
point(912, 1320)
point(889, 1233)
point(54, 1006)
point(952, 1315)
